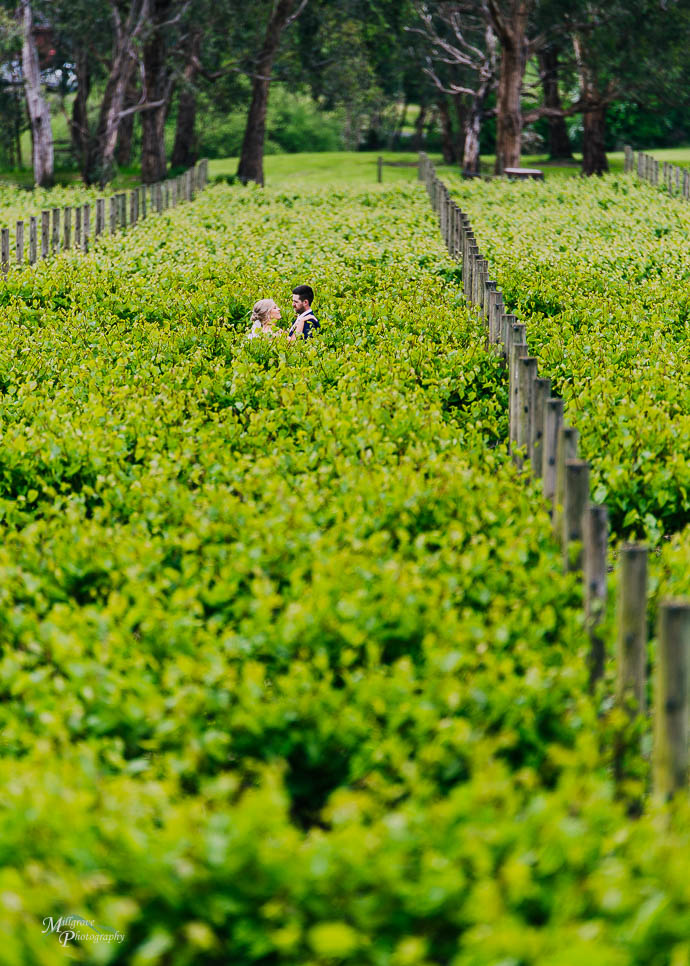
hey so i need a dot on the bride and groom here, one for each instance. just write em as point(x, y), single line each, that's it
point(266, 315)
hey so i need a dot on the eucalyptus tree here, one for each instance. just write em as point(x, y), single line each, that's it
point(103, 39)
point(550, 74)
point(281, 15)
point(216, 56)
point(616, 52)
point(37, 105)
point(461, 61)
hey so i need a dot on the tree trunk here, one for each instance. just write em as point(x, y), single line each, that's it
point(419, 128)
point(470, 157)
point(185, 150)
point(447, 145)
point(102, 156)
point(125, 131)
point(461, 124)
point(594, 160)
point(251, 166)
point(79, 129)
point(18, 128)
point(473, 126)
point(39, 112)
point(509, 120)
point(511, 29)
point(559, 142)
point(475, 112)
point(156, 89)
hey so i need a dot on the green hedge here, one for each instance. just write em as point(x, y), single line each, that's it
point(599, 271)
point(290, 673)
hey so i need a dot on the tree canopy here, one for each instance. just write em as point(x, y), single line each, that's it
point(156, 82)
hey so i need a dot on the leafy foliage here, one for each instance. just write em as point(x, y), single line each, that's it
point(289, 671)
point(599, 271)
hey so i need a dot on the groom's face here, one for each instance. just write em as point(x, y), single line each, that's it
point(299, 305)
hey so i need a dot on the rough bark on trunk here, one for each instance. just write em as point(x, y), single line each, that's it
point(470, 157)
point(461, 124)
point(559, 142)
point(447, 145)
point(39, 112)
point(156, 89)
point(251, 166)
point(185, 150)
point(102, 158)
point(594, 160)
point(79, 130)
point(509, 120)
point(475, 111)
point(18, 127)
point(511, 30)
point(122, 64)
point(125, 131)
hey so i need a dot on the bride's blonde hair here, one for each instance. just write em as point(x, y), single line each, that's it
point(261, 311)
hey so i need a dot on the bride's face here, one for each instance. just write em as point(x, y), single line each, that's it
point(274, 315)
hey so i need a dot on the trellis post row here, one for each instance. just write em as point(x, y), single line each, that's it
point(52, 240)
point(676, 180)
point(543, 445)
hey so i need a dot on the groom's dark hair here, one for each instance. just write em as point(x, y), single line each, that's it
point(305, 292)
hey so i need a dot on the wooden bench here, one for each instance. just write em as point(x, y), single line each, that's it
point(521, 173)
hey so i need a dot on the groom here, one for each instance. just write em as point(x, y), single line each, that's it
point(306, 323)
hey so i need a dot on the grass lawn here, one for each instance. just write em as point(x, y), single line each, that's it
point(356, 167)
point(24, 178)
point(360, 167)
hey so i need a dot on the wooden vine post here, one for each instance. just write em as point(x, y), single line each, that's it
point(100, 216)
point(5, 250)
point(33, 233)
point(631, 645)
point(19, 243)
point(86, 227)
point(45, 234)
point(55, 240)
point(566, 450)
point(595, 563)
point(672, 688)
point(553, 420)
point(542, 391)
point(526, 375)
point(575, 501)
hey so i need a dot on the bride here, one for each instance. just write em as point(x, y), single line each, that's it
point(265, 315)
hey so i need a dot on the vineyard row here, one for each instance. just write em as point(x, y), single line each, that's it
point(62, 229)
point(676, 180)
point(544, 445)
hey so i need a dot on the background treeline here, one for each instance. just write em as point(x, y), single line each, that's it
point(103, 84)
